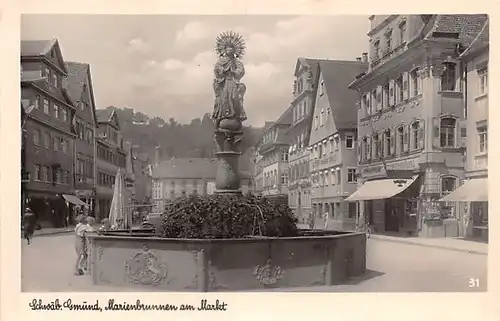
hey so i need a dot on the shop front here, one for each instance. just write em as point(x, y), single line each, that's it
point(390, 205)
point(474, 193)
point(53, 210)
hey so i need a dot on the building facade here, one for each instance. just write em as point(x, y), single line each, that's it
point(411, 132)
point(110, 157)
point(78, 83)
point(304, 93)
point(272, 153)
point(332, 145)
point(186, 176)
point(474, 191)
point(49, 134)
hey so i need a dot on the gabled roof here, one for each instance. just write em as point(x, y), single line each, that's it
point(308, 62)
point(39, 48)
point(75, 81)
point(105, 116)
point(465, 26)
point(36, 47)
point(188, 168)
point(337, 75)
point(481, 41)
point(42, 84)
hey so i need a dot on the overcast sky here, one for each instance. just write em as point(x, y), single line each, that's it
point(162, 65)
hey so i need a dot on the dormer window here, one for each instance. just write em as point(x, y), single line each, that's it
point(376, 50)
point(402, 31)
point(388, 41)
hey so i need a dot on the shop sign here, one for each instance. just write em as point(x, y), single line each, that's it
point(409, 164)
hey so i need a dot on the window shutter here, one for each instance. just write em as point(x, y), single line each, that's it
point(369, 153)
point(359, 151)
point(391, 93)
point(379, 98)
point(463, 135)
point(405, 137)
point(435, 132)
point(421, 134)
point(406, 86)
point(393, 142)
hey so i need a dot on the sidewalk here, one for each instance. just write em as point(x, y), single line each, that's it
point(54, 230)
point(454, 244)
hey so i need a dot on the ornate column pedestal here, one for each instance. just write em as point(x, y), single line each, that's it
point(227, 179)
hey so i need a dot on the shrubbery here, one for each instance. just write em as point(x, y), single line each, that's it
point(227, 216)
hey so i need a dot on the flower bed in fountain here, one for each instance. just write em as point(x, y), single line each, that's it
point(227, 243)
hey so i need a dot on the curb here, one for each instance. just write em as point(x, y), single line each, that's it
point(52, 233)
point(427, 245)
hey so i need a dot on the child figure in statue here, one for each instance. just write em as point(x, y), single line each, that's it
point(228, 71)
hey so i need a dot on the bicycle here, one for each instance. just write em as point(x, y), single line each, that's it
point(364, 228)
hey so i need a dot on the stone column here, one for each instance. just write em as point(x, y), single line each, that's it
point(228, 137)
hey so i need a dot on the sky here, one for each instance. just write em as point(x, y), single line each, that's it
point(162, 65)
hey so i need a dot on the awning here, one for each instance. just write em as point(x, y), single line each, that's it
point(474, 190)
point(74, 200)
point(381, 189)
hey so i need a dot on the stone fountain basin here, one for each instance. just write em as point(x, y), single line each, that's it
point(151, 263)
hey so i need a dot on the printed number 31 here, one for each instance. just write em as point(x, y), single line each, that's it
point(473, 283)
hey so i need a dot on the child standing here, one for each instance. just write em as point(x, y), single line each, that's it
point(83, 227)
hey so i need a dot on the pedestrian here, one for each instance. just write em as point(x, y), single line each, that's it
point(326, 221)
point(29, 221)
point(89, 229)
point(80, 243)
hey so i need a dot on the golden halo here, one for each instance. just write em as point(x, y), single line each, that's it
point(230, 39)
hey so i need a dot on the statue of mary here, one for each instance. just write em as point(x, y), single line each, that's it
point(228, 71)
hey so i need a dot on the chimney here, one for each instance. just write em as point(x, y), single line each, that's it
point(358, 58)
point(157, 155)
point(365, 58)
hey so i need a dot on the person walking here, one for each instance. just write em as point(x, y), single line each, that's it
point(29, 222)
point(326, 221)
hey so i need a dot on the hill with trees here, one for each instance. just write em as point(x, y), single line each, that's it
point(175, 139)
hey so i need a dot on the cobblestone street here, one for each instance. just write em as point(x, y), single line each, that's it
point(47, 266)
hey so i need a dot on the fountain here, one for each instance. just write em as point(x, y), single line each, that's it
point(227, 241)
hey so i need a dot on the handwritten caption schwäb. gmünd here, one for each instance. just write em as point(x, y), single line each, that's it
point(112, 305)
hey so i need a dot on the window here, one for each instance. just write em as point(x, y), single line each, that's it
point(66, 177)
point(400, 90)
point(351, 175)
point(56, 143)
point(349, 141)
point(332, 146)
point(324, 148)
point(37, 102)
point(322, 118)
point(47, 74)
point(284, 179)
point(64, 115)
point(386, 92)
point(64, 144)
point(448, 77)
point(387, 142)
point(46, 140)
point(448, 185)
point(482, 133)
point(56, 111)
point(321, 88)
point(55, 80)
point(401, 139)
point(483, 81)
point(376, 146)
point(388, 41)
point(414, 135)
point(36, 137)
point(415, 83)
point(338, 178)
point(402, 32)
point(337, 141)
point(37, 173)
point(447, 132)
point(366, 149)
point(45, 174)
point(284, 155)
point(46, 106)
point(376, 50)
point(316, 122)
point(366, 103)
